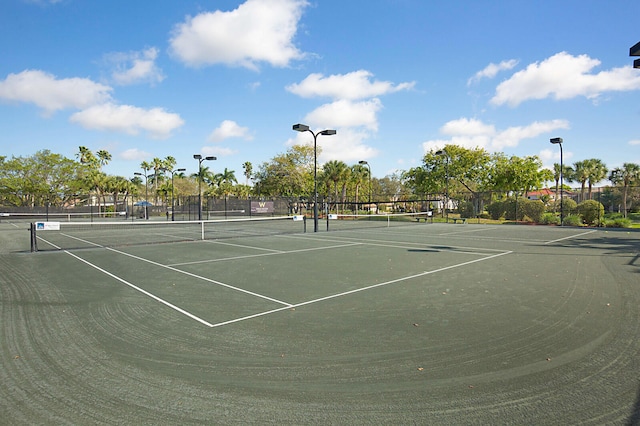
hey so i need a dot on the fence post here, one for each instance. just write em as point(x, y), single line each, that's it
point(33, 238)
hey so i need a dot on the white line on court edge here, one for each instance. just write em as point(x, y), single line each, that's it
point(569, 237)
point(248, 256)
point(333, 296)
point(221, 284)
point(164, 302)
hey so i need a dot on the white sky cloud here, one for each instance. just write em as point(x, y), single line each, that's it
point(229, 129)
point(128, 119)
point(491, 70)
point(218, 151)
point(53, 94)
point(473, 133)
point(135, 67)
point(353, 86)
point(634, 142)
point(347, 145)
point(563, 76)
point(257, 31)
point(345, 113)
point(135, 154)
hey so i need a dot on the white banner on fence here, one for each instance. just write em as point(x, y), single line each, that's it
point(47, 226)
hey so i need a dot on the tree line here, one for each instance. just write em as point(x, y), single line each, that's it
point(49, 178)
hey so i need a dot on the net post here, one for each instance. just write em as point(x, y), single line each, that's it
point(202, 230)
point(304, 223)
point(33, 238)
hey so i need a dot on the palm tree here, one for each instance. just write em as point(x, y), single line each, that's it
point(597, 172)
point(248, 170)
point(225, 181)
point(581, 174)
point(333, 172)
point(359, 173)
point(567, 175)
point(103, 157)
point(626, 175)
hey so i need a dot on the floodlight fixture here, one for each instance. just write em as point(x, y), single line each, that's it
point(636, 63)
point(556, 140)
point(635, 50)
point(300, 127)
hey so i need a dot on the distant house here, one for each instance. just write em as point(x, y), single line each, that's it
point(550, 193)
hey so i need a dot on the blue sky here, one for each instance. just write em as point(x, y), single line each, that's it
point(145, 79)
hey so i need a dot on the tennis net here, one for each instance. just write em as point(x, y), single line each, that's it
point(78, 235)
point(336, 222)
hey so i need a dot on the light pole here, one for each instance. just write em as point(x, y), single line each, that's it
point(200, 159)
point(173, 172)
point(328, 132)
point(446, 171)
point(146, 192)
point(364, 163)
point(558, 141)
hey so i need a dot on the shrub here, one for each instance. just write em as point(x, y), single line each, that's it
point(484, 215)
point(549, 219)
point(513, 209)
point(568, 205)
point(465, 208)
point(591, 211)
point(573, 220)
point(617, 223)
point(496, 210)
point(533, 209)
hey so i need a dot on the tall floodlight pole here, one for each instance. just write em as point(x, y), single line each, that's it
point(173, 172)
point(558, 141)
point(146, 192)
point(200, 159)
point(328, 132)
point(365, 163)
point(446, 171)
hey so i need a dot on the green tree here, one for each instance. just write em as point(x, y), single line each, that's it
point(625, 176)
point(289, 174)
point(597, 171)
point(248, 170)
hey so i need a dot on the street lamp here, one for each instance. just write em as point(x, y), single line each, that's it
point(146, 192)
point(446, 171)
point(200, 159)
point(364, 163)
point(173, 172)
point(558, 141)
point(328, 132)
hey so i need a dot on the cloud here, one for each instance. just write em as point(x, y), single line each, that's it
point(257, 31)
point(472, 133)
point(353, 86)
point(229, 129)
point(218, 151)
point(134, 154)
point(135, 67)
point(491, 70)
point(52, 94)
point(347, 146)
point(344, 113)
point(563, 76)
point(128, 119)
point(634, 142)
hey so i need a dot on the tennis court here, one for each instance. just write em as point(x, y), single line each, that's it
point(405, 322)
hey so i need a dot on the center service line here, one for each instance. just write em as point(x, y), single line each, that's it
point(333, 296)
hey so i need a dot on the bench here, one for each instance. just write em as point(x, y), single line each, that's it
point(461, 219)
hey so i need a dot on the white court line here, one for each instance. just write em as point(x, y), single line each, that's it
point(569, 237)
point(382, 243)
point(248, 256)
point(333, 296)
point(164, 302)
point(187, 273)
point(200, 277)
point(243, 246)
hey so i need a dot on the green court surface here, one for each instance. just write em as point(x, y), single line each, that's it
point(415, 323)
